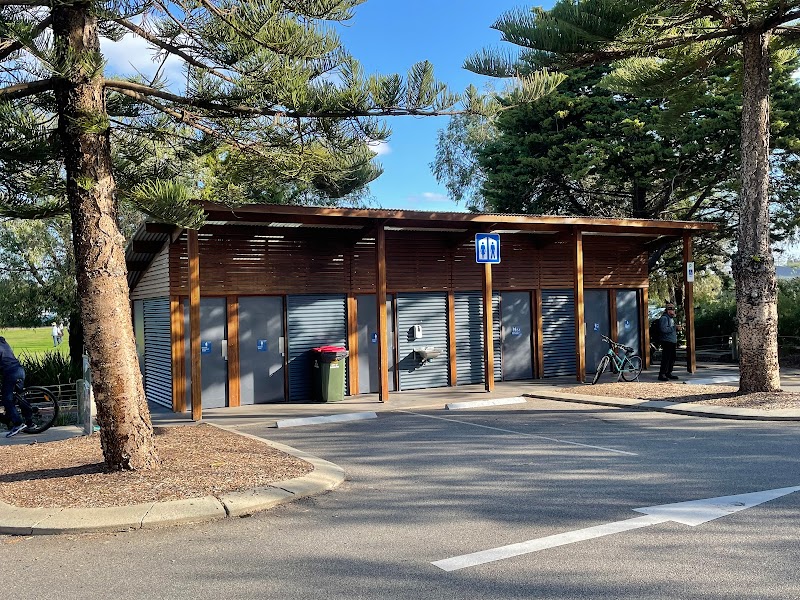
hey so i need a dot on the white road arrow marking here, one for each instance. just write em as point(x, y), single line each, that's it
point(694, 512)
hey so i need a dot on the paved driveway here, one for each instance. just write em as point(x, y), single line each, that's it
point(424, 486)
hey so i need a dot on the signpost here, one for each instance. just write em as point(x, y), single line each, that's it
point(487, 248)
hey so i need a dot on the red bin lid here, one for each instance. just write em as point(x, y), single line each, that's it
point(330, 349)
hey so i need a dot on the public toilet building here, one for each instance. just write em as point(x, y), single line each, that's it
point(238, 305)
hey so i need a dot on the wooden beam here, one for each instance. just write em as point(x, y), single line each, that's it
point(147, 246)
point(352, 344)
point(451, 337)
point(580, 330)
point(177, 335)
point(165, 228)
point(193, 248)
point(380, 301)
point(488, 333)
point(234, 369)
point(138, 266)
point(688, 306)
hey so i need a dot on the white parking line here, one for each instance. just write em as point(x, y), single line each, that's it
point(479, 403)
point(328, 419)
point(533, 435)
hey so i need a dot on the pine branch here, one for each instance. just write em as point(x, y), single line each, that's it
point(23, 90)
point(172, 49)
point(10, 46)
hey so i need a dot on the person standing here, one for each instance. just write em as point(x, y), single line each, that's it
point(13, 382)
point(54, 333)
point(669, 342)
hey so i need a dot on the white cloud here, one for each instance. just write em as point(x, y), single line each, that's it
point(380, 148)
point(133, 55)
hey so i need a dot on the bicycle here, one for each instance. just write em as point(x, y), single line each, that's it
point(42, 404)
point(627, 367)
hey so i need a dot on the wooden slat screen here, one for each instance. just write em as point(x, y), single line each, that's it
point(614, 262)
point(257, 260)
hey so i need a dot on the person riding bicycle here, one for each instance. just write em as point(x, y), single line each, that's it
point(13, 382)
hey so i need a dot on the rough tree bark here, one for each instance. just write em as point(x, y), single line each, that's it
point(753, 265)
point(125, 429)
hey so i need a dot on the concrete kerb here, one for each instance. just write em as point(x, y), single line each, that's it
point(326, 476)
point(679, 408)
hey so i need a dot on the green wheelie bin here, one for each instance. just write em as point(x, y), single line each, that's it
point(328, 373)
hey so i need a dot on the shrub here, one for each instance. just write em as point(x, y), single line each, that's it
point(50, 368)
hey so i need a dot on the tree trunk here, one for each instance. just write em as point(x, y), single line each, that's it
point(125, 431)
point(753, 265)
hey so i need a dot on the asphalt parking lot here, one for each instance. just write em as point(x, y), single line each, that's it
point(427, 486)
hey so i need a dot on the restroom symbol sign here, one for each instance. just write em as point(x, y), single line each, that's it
point(627, 324)
point(205, 347)
point(261, 345)
point(516, 331)
point(374, 338)
point(487, 248)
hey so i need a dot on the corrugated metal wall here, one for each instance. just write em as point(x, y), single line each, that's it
point(155, 281)
point(497, 324)
point(157, 351)
point(314, 320)
point(469, 337)
point(429, 311)
point(558, 332)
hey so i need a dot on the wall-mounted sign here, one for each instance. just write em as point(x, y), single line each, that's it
point(516, 331)
point(205, 347)
point(597, 326)
point(627, 324)
point(261, 345)
point(690, 272)
point(487, 248)
point(375, 338)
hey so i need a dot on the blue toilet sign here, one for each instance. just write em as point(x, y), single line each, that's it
point(627, 324)
point(205, 347)
point(516, 331)
point(487, 248)
point(597, 326)
point(374, 338)
point(261, 345)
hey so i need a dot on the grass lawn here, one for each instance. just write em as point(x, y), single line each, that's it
point(33, 341)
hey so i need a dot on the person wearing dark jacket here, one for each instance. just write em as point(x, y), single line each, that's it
point(13, 381)
point(669, 342)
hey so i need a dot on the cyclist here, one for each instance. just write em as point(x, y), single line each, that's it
point(13, 382)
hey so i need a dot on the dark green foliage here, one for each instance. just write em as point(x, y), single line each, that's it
point(50, 368)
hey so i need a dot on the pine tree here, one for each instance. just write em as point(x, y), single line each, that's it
point(666, 48)
point(268, 78)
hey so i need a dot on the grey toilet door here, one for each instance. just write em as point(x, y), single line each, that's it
point(213, 352)
point(368, 370)
point(628, 318)
point(598, 322)
point(558, 332)
point(516, 335)
point(261, 342)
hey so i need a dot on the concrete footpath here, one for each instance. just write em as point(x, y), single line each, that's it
point(326, 475)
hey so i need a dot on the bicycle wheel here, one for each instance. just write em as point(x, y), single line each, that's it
point(601, 367)
point(632, 368)
point(44, 408)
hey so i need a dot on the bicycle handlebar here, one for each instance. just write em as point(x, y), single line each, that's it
point(614, 344)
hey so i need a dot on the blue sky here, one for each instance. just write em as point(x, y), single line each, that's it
point(389, 36)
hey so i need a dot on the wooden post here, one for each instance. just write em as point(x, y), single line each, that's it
point(194, 323)
point(645, 316)
point(488, 334)
point(688, 305)
point(352, 343)
point(178, 355)
point(234, 371)
point(451, 336)
point(380, 301)
point(538, 371)
point(580, 330)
